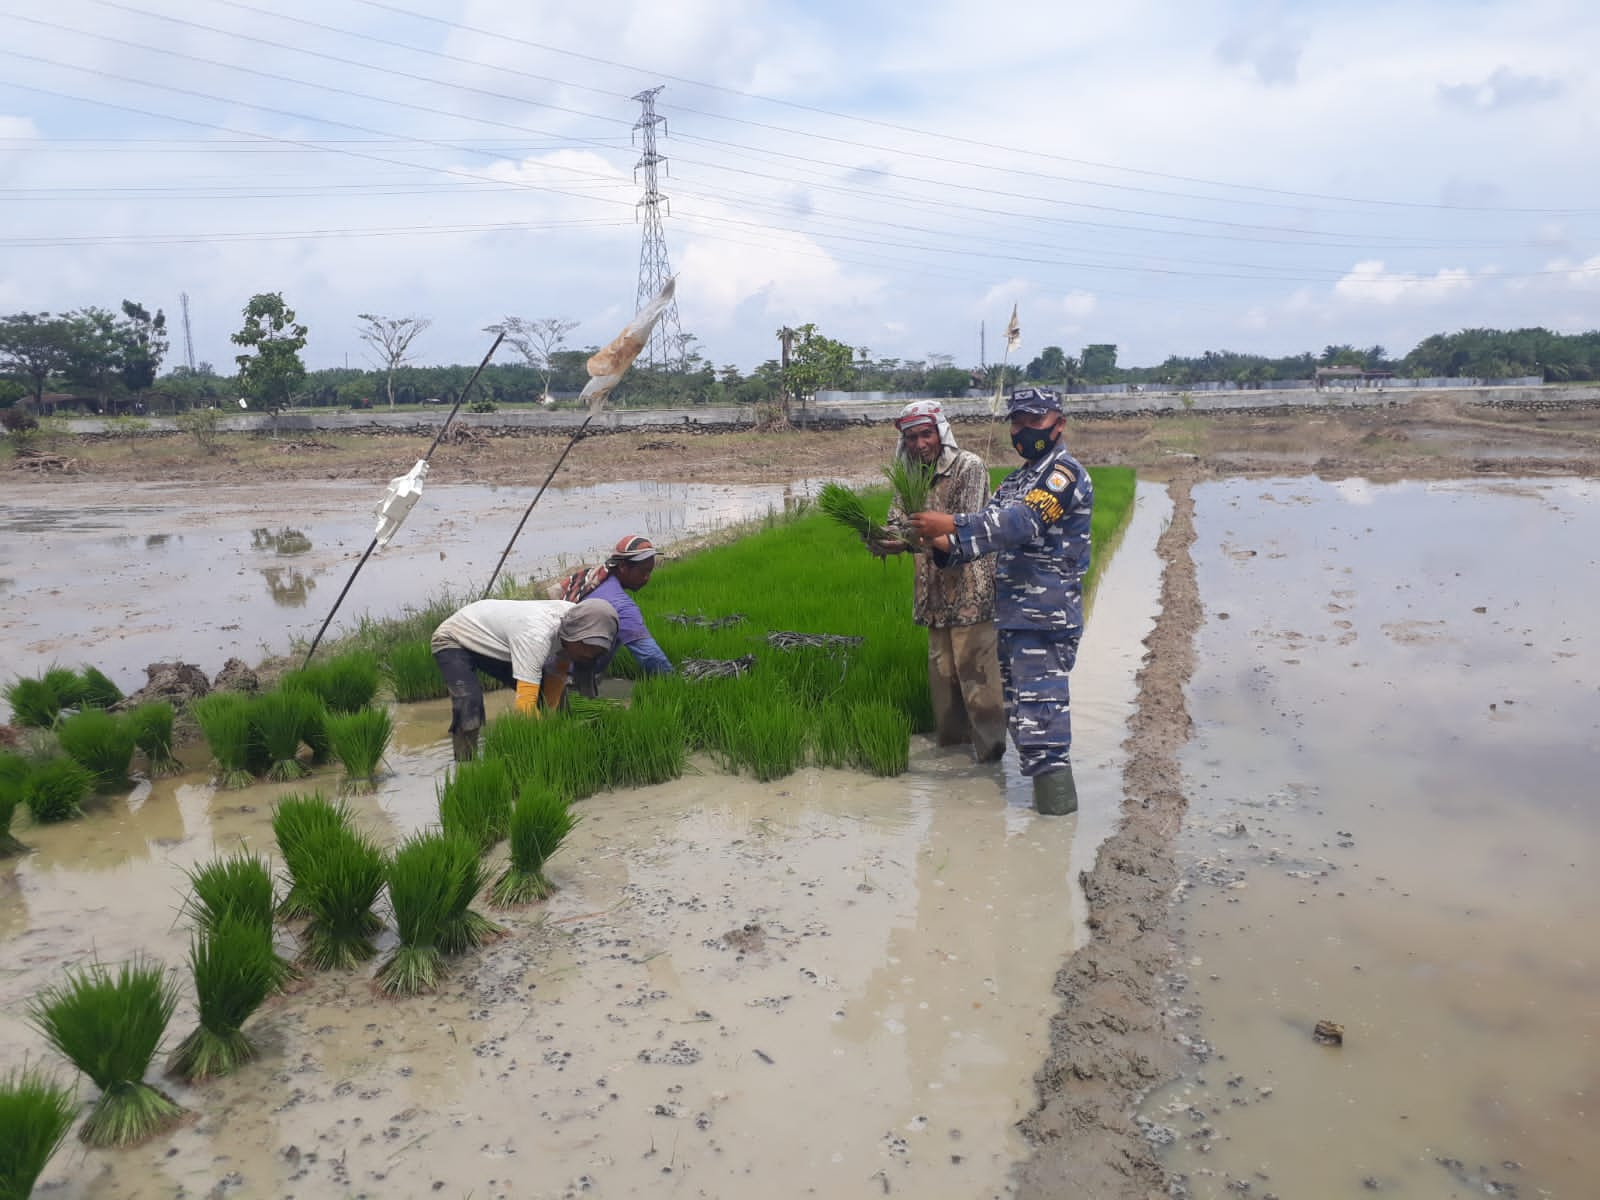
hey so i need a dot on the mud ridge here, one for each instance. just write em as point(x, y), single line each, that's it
point(1108, 1041)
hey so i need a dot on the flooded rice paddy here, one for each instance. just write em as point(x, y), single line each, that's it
point(830, 985)
point(1393, 826)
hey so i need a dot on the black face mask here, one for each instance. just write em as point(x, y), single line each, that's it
point(1034, 444)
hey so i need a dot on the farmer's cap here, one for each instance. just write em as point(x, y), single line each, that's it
point(590, 622)
point(1034, 400)
point(633, 548)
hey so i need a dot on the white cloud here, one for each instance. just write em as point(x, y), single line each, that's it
point(1368, 283)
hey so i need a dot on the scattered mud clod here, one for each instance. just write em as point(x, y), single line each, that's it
point(1328, 1033)
point(749, 938)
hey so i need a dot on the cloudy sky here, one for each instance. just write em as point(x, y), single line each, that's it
point(1240, 174)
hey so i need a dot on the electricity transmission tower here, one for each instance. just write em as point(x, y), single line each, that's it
point(188, 335)
point(666, 339)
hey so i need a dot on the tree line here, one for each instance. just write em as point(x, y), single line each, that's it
point(114, 359)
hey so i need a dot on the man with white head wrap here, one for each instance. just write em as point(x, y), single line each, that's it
point(956, 603)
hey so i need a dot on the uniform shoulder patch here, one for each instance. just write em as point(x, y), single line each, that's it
point(1060, 479)
point(1046, 505)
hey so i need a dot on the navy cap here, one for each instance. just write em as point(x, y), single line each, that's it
point(1034, 400)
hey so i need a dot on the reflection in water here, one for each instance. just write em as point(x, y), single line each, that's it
point(118, 830)
point(284, 541)
point(153, 541)
point(289, 585)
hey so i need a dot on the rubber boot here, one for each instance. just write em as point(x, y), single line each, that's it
point(1055, 794)
point(465, 745)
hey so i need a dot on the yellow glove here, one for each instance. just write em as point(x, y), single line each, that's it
point(555, 683)
point(528, 698)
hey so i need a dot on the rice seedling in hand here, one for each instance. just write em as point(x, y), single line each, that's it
point(238, 885)
point(282, 721)
point(102, 744)
point(358, 741)
point(224, 718)
point(340, 879)
point(152, 734)
point(295, 821)
point(846, 507)
point(108, 1024)
point(540, 822)
point(475, 801)
point(96, 690)
point(35, 1114)
point(422, 891)
point(235, 968)
point(55, 790)
point(413, 675)
point(13, 774)
point(911, 482)
point(33, 703)
point(463, 928)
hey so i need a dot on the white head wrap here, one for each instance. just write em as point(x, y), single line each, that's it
point(926, 412)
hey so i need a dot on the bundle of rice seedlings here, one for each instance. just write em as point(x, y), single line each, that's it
point(582, 708)
point(346, 683)
point(413, 675)
point(358, 741)
point(882, 735)
point(238, 886)
point(296, 820)
point(462, 928)
point(475, 802)
point(235, 968)
point(911, 483)
point(102, 744)
point(95, 690)
point(35, 1114)
point(13, 774)
point(224, 718)
point(33, 702)
point(340, 878)
point(55, 790)
point(108, 1025)
point(66, 685)
point(846, 507)
point(282, 721)
point(422, 892)
point(540, 822)
point(152, 734)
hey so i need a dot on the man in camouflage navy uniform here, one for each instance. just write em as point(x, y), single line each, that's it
point(1037, 527)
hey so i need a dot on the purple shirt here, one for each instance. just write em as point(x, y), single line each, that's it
point(630, 621)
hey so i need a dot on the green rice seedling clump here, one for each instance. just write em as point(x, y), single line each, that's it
point(540, 822)
point(55, 790)
point(225, 720)
point(463, 927)
point(564, 754)
point(283, 721)
point(66, 685)
point(96, 690)
point(35, 1114)
point(33, 703)
point(238, 885)
point(475, 802)
point(881, 734)
point(644, 744)
point(152, 734)
point(359, 740)
point(296, 821)
point(413, 674)
point(346, 683)
point(423, 881)
point(341, 877)
point(13, 776)
point(235, 968)
point(102, 744)
point(109, 1024)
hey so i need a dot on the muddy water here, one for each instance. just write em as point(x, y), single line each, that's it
point(146, 572)
point(1393, 827)
point(830, 985)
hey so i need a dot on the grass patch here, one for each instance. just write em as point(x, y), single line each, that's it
point(56, 789)
point(152, 734)
point(358, 740)
point(35, 1114)
point(413, 675)
point(475, 802)
point(102, 744)
point(540, 822)
point(235, 968)
point(109, 1025)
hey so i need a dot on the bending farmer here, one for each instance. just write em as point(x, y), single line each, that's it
point(626, 571)
point(532, 644)
point(955, 602)
point(1037, 527)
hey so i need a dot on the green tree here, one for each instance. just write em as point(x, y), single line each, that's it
point(97, 351)
point(815, 362)
point(1099, 362)
point(946, 382)
point(144, 345)
point(35, 346)
point(273, 372)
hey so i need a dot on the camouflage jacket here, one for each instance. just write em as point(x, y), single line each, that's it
point(961, 593)
point(1037, 527)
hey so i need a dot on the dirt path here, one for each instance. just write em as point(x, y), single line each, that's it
point(1108, 1042)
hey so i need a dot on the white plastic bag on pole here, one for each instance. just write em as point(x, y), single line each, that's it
point(398, 501)
point(608, 364)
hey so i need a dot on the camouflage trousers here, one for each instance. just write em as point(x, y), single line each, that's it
point(1034, 666)
point(964, 680)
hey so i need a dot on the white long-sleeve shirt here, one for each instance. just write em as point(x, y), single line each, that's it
point(521, 631)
